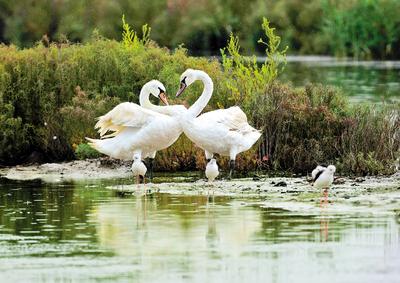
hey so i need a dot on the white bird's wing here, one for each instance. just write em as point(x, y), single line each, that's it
point(317, 172)
point(233, 118)
point(124, 115)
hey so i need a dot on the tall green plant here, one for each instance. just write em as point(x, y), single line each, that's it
point(246, 76)
point(130, 37)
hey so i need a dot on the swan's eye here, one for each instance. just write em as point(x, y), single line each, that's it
point(184, 80)
point(161, 90)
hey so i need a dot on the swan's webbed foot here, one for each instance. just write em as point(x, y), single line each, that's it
point(231, 168)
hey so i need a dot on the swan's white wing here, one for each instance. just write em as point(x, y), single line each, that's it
point(233, 127)
point(232, 118)
point(125, 115)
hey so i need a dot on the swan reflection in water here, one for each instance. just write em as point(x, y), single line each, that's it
point(170, 225)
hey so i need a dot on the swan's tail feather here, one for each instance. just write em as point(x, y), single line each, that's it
point(103, 125)
point(113, 134)
point(106, 146)
point(93, 143)
point(252, 137)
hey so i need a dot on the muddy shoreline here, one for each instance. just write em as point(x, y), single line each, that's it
point(377, 191)
point(89, 169)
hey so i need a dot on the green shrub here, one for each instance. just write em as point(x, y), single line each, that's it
point(84, 151)
point(244, 76)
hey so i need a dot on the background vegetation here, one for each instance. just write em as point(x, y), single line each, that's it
point(360, 28)
point(51, 93)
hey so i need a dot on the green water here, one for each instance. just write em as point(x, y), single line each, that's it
point(362, 81)
point(84, 232)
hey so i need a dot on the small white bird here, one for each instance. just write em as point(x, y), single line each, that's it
point(138, 168)
point(212, 170)
point(323, 177)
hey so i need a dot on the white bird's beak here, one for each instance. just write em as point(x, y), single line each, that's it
point(181, 89)
point(163, 98)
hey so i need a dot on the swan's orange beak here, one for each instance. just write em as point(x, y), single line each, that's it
point(163, 98)
point(181, 89)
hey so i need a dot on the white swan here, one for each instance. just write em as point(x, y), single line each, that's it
point(223, 131)
point(136, 130)
point(170, 110)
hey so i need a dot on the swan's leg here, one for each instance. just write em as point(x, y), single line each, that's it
point(151, 164)
point(231, 168)
point(232, 157)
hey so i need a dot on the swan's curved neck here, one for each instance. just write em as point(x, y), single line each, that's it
point(205, 97)
point(145, 101)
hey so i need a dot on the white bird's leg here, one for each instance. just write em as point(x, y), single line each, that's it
point(232, 157)
point(137, 184)
point(324, 200)
point(144, 183)
point(151, 163)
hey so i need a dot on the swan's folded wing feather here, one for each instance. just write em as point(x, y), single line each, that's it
point(123, 115)
point(233, 118)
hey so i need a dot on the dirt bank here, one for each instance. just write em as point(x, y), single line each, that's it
point(75, 170)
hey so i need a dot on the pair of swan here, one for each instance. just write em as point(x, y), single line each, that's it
point(141, 131)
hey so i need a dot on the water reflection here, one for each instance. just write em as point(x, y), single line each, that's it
point(366, 81)
point(75, 232)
